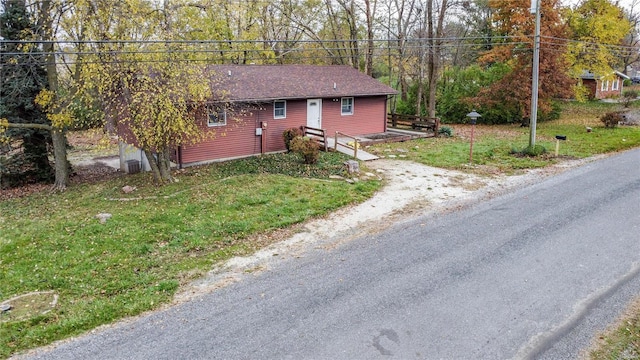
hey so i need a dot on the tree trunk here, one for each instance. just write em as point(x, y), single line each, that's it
point(434, 53)
point(60, 157)
point(58, 135)
point(419, 97)
point(369, 12)
point(164, 163)
point(155, 170)
point(160, 166)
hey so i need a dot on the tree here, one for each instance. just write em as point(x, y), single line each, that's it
point(402, 18)
point(435, 33)
point(158, 103)
point(458, 84)
point(596, 25)
point(150, 91)
point(370, 11)
point(279, 31)
point(476, 19)
point(632, 41)
point(23, 76)
point(512, 93)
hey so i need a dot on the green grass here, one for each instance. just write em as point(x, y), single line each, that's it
point(161, 238)
point(623, 340)
point(495, 147)
point(155, 242)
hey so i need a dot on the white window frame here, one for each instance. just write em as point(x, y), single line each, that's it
point(605, 85)
point(284, 109)
point(342, 106)
point(220, 115)
point(615, 85)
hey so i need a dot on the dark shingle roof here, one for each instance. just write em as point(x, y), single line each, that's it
point(279, 82)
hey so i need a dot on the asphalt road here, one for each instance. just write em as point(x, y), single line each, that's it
point(531, 274)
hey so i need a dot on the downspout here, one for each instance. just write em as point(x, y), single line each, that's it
point(386, 111)
point(179, 157)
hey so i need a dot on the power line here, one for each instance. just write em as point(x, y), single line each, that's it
point(256, 50)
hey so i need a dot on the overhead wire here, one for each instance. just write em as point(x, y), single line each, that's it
point(102, 51)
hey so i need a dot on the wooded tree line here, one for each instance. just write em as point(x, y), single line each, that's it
point(69, 63)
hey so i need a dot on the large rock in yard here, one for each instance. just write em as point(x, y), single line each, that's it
point(352, 166)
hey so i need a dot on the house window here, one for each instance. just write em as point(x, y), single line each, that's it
point(347, 106)
point(279, 109)
point(605, 85)
point(216, 116)
point(615, 84)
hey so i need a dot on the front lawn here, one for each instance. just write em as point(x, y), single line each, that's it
point(495, 147)
point(156, 240)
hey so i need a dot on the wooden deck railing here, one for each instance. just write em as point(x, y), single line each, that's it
point(319, 135)
point(414, 122)
point(354, 147)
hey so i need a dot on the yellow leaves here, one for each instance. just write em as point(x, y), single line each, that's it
point(60, 117)
point(45, 99)
point(4, 124)
point(581, 92)
point(60, 120)
point(596, 24)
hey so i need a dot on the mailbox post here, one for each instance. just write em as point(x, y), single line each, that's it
point(558, 139)
point(473, 115)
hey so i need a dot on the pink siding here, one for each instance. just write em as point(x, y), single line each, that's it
point(296, 117)
point(369, 116)
point(238, 138)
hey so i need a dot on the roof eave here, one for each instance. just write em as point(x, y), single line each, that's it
point(317, 96)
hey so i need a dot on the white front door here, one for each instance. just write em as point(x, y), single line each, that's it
point(314, 113)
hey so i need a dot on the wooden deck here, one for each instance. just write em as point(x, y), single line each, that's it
point(397, 121)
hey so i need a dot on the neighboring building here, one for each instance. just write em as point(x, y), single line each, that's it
point(261, 101)
point(601, 88)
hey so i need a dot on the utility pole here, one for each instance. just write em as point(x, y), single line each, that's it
point(535, 8)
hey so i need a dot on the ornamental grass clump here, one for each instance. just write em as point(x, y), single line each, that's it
point(307, 147)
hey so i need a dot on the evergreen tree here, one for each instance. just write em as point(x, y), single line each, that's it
point(22, 77)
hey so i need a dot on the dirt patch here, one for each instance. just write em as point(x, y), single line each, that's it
point(92, 156)
point(27, 306)
point(84, 174)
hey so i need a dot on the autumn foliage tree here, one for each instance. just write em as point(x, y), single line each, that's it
point(155, 104)
point(145, 86)
point(596, 26)
point(509, 99)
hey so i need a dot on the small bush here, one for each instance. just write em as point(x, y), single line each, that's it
point(289, 134)
point(534, 151)
point(446, 131)
point(628, 96)
point(307, 147)
point(611, 119)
